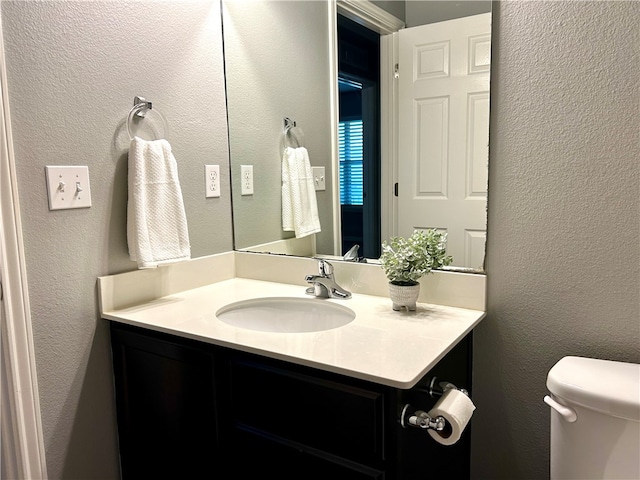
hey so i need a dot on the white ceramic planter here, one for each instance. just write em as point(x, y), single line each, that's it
point(404, 296)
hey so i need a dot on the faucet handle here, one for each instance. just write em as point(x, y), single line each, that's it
point(325, 268)
point(352, 254)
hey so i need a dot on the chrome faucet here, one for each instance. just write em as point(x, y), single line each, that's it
point(324, 284)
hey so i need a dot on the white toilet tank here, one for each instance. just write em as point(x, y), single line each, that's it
point(595, 419)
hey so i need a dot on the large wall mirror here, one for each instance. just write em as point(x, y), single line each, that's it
point(394, 125)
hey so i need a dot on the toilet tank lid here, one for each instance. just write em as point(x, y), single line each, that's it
point(603, 385)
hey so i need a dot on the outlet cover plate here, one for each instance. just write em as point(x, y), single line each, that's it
point(246, 179)
point(68, 187)
point(212, 181)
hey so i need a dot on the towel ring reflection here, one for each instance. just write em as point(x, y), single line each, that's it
point(288, 124)
point(141, 109)
point(292, 131)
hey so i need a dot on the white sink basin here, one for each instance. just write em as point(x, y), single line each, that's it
point(285, 314)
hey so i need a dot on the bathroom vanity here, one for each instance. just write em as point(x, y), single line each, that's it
point(199, 398)
point(188, 409)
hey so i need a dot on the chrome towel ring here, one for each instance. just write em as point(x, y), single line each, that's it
point(141, 109)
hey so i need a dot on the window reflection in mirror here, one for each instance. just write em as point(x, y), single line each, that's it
point(359, 137)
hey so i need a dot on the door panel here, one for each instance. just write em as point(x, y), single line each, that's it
point(444, 133)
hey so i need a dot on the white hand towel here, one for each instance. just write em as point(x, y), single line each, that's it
point(299, 204)
point(156, 221)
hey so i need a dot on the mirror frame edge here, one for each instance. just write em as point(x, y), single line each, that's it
point(332, 23)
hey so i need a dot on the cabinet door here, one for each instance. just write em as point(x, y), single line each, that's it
point(258, 455)
point(166, 405)
point(316, 414)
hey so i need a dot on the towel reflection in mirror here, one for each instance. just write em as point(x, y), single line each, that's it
point(299, 204)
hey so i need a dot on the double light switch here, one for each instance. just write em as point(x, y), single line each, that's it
point(68, 187)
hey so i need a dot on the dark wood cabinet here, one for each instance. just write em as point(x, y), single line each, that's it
point(301, 418)
point(188, 409)
point(165, 397)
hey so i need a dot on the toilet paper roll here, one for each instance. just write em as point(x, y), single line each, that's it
point(456, 408)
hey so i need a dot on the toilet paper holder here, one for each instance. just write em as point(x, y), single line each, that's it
point(421, 419)
point(410, 417)
point(438, 388)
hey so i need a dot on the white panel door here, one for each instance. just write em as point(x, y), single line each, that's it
point(444, 133)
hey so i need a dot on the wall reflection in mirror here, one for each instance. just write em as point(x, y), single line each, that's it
point(397, 148)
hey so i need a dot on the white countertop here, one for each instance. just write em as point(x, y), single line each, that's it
point(380, 345)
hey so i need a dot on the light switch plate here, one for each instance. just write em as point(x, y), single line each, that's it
point(68, 187)
point(319, 180)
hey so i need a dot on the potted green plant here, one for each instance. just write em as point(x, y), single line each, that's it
point(406, 260)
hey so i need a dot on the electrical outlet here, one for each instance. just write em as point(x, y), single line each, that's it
point(319, 181)
point(246, 174)
point(68, 187)
point(212, 181)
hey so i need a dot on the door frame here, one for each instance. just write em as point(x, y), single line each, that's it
point(23, 452)
point(386, 25)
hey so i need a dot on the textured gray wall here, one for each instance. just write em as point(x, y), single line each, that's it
point(394, 7)
point(277, 65)
point(73, 70)
point(432, 11)
point(414, 12)
point(563, 258)
point(563, 239)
